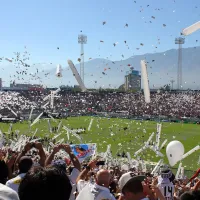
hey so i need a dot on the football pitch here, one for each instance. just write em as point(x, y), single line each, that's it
point(123, 135)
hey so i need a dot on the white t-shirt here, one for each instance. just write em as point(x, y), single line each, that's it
point(167, 190)
point(95, 192)
point(7, 193)
point(81, 184)
point(72, 177)
point(15, 182)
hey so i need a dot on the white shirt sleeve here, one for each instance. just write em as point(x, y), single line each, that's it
point(81, 184)
point(74, 175)
point(105, 195)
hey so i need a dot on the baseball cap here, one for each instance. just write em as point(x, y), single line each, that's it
point(130, 176)
point(7, 193)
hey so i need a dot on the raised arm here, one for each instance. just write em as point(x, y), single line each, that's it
point(41, 153)
point(83, 174)
point(73, 158)
point(52, 154)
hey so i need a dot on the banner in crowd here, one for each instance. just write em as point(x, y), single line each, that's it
point(83, 151)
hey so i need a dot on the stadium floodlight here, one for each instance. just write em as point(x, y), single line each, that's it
point(82, 39)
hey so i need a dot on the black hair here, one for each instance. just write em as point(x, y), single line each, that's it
point(25, 164)
point(45, 183)
point(3, 172)
point(194, 195)
point(133, 186)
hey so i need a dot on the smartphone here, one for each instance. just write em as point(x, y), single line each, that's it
point(100, 163)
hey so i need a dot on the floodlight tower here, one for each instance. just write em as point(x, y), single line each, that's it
point(179, 41)
point(82, 39)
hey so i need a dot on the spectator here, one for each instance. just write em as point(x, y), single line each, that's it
point(25, 164)
point(61, 165)
point(7, 193)
point(194, 195)
point(99, 190)
point(45, 183)
point(3, 172)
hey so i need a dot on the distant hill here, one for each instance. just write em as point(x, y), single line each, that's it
point(162, 67)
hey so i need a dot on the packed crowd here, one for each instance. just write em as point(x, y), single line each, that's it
point(35, 173)
point(30, 170)
point(162, 104)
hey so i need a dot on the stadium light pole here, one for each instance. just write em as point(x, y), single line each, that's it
point(179, 41)
point(82, 39)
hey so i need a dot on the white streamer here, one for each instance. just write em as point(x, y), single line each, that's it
point(89, 127)
point(145, 81)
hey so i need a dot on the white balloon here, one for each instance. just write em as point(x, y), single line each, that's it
point(175, 152)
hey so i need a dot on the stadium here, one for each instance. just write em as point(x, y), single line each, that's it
point(111, 115)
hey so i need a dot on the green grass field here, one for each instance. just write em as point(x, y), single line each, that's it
point(106, 131)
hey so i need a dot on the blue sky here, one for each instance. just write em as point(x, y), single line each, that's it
point(43, 25)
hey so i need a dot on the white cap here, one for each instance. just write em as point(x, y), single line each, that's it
point(7, 193)
point(128, 176)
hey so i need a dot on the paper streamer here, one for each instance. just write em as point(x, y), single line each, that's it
point(49, 126)
point(140, 150)
point(30, 116)
point(37, 119)
point(59, 126)
point(51, 144)
point(56, 136)
point(67, 135)
point(89, 127)
point(163, 144)
point(1, 139)
point(129, 159)
point(45, 105)
point(157, 167)
point(145, 81)
point(191, 29)
point(60, 141)
point(9, 60)
point(35, 140)
point(10, 128)
point(52, 100)
point(59, 71)
point(144, 167)
point(191, 151)
point(158, 134)
point(156, 151)
point(182, 172)
point(73, 133)
point(36, 130)
point(52, 118)
point(55, 92)
point(150, 138)
point(12, 111)
point(77, 76)
point(178, 171)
